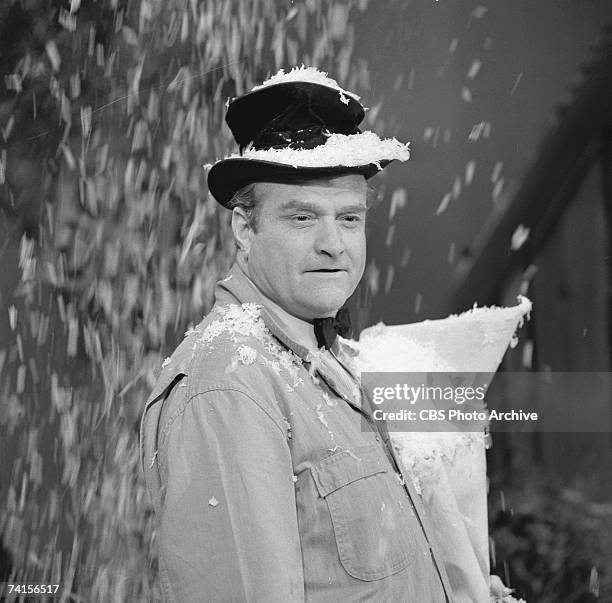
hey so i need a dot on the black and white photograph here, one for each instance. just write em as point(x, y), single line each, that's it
point(306, 301)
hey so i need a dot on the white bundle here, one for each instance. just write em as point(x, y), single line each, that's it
point(449, 469)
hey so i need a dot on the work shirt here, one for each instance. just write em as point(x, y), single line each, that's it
point(269, 479)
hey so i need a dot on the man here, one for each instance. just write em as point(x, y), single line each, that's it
point(270, 480)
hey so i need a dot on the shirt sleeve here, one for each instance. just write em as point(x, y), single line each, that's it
point(228, 520)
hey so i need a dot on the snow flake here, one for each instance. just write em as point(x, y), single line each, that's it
point(498, 189)
point(444, 204)
point(479, 11)
point(470, 168)
point(282, 360)
point(398, 201)
point(289, 428)
point(213, 502)
point(246, 354)
point(53, 54)
point(351, 453)
point(474, 69)
point(153, 459)
point(321, 416)
point(520, 235)
point(12, 312)
point(516, 83)
point(272, 364)
point(497, 171)
point(314, 358)
point(213, 330)
point(328, 399)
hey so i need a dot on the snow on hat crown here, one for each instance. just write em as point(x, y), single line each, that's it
point(297, 110)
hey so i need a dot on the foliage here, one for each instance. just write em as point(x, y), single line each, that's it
point(550, 545)
point(108, 109)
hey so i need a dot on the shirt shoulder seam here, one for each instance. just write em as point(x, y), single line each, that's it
point(213, 389)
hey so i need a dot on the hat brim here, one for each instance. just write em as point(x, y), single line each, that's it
point(228, 176)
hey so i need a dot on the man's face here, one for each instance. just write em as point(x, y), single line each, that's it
point(308, 253)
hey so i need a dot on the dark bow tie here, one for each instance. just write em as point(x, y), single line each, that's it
point(326, 329)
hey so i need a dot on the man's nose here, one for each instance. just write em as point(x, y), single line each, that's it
point(329, 238)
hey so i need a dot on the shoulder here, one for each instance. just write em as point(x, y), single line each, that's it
point(231, 350)
point(236, 349)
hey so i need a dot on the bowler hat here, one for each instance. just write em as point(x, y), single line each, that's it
point(300, 123)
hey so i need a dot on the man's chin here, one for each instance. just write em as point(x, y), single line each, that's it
point(325, 309)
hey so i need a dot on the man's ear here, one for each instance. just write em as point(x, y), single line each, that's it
point(243, 232)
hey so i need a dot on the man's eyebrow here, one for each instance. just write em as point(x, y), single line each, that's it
point(353, 209)
point(296, 204)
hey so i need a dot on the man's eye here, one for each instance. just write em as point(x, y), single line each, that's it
point(352, 218)
point(301, 218)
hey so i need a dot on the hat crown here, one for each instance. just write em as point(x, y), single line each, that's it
point(293, 113)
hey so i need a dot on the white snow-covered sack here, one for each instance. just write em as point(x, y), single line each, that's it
point(449, 469)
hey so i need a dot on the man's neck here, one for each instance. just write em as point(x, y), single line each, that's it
point(299, 330)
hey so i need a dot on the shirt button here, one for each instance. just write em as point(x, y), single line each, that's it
point(377, 438)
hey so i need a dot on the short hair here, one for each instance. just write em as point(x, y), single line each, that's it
point(246, 199)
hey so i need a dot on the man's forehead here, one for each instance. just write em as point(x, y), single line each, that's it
point(353, 185)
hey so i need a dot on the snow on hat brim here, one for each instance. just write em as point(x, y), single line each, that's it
point(364, 153)
point(228, 176)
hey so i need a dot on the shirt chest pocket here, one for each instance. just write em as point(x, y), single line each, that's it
point(373, 522)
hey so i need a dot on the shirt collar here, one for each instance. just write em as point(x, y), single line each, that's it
point(299, 330)
point(295, 333)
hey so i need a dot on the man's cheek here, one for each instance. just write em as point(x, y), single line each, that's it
point(360, 261)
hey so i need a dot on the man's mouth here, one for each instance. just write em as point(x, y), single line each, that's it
point(327, 270)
